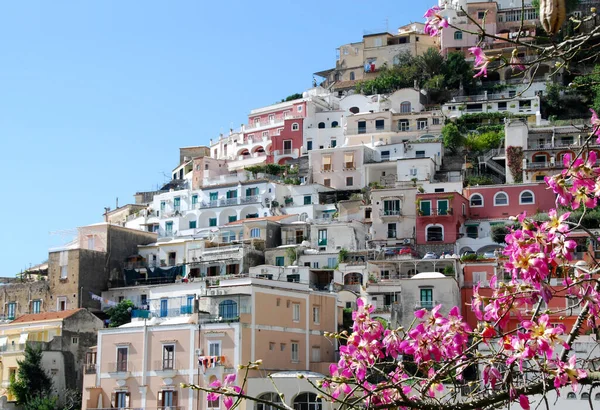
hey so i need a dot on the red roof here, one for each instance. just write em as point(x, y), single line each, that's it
point(38, 317)
point(275, 218)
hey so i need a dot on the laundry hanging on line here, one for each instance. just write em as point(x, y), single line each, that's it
point(208, 362)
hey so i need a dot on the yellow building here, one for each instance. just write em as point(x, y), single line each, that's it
point(63, 337)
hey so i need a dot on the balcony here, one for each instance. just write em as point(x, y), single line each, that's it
point(229, 202)
point(245, 160)
point(166, 367)
point(293, 152)
point(540, 165)
point(435, 212)
point(16, 347)
point(390, 213)
point(121, 369)
point(209, 204)
point(90, 368)
point(349, 166)
point(278, 120)
point(250, 199)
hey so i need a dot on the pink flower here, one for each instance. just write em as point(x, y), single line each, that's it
point(435, 21)
point(481, 61)
point(524, 402)
point(221, 389)
point(515, 62)
point(595, 125)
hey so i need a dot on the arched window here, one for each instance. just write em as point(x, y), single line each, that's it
point(435, 233)
point(270, 397)
point(352, 76)
point(228, 309)
point(334, 124)
point(295, 126)
point(458, 35)
point(255, 233)
point(526, 197)
point(307, 401)
point(500, 199)
point(597, 396)
point(476, 200)
point(571, 396)
point(353, 278)
point(405, 107)
point(321, 125)
point(303, 216)
point(354, 110)
point(585, 396)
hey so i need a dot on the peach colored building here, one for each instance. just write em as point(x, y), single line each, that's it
point(142, 364)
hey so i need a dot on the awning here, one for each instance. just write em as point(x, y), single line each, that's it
point(23, 338)
point(3, 341)
point(472, 224)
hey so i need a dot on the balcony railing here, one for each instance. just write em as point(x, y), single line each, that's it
point(390, 212)
point(121, 366)
point(17, 347)
point(436, 212)
point(425, 304)
point(166, 364)
point(228, 201)
point(539, 165)
point(288, 151)
point(90, 368)
point(250, 199)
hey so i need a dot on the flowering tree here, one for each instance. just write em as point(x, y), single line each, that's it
point(439, 361)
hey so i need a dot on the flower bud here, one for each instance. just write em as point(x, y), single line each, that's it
point(552, 15)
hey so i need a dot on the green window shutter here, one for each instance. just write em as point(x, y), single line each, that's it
point(212, 222)
point(232, 218)
point(214, 196)
point(442, 207)
point(248, 191)
point(425, 208)
point(279, 261)
point(307, 199)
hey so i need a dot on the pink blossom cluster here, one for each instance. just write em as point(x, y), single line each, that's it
point(435, 21)
point(226, 389)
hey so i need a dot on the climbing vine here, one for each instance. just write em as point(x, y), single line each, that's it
point(514, 156)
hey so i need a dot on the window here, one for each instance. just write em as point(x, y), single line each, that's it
point(403, 125)
point(422, 123)
point(349, 160)
point(271, 346)
point(163, 205)
point(413, 172)
point(177, 203)
point(473, 231)
point(315, 265)
point(378, 42)
point(540, 178)
point(354, 110)
point(296, 312)
point(322, 237)
point(11, 310)
point(500, 199)
point(438, 190)
point(476, 200)
point(419, 154)
point(321, 125)
point(352, 76)
point(458, 35)
point(213, 404)
point(435, 121)
point(192, 225)
point(121, 399)
point(228, 309)
point(307, 199)
point(392, 231)
point(36, 306)
point(295, 352)
point(232, 218)
point(526, 197)
point(213, 196)
point(379, 125)
point(75, 340)
point(426, 298)
point(349, 181)
point(334, 124)
point(435, 233)
point(299, 108)
point(442, 207)
point(332, 262)
point(295, 126)
point(61, 303)
point(268, 397)
point(309, 145)
point(214, 348)
point(63, 262)
point(425, 208)
point(122, 357)
point(280, 261)
point(327, 162)
point(169, 227)
point(316, 354)
point(464, 210)
point(316, 315)
point(265, 134)
point(391, 207)
point(255, 233)
point(212, 222)
point(168, 357)
point(307, 401)
point(333, 143)
point(405, 108)
point(571, 396)
point(585, 396)
point(327, 182)
point(481, 15)
point(194, 201)
point(362, 127)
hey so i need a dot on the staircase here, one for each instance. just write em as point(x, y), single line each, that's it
point(489, 162)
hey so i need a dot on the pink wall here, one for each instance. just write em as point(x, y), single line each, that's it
point(544, 199)
point(288, 134)
point(451, 222)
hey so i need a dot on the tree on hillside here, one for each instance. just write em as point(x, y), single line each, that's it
point(452, 137)
point(458, 71)
point(32, 381)
point(121, 313)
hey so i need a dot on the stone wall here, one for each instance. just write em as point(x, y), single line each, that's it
point(23, 293)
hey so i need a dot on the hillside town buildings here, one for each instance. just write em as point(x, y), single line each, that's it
point(265, 235)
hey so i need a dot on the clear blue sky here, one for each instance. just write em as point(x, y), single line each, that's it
point(97, 96)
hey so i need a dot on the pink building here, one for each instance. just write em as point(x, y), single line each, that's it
point(143, 364)
point(504, 201)
point(288, 141)
point(439, 217)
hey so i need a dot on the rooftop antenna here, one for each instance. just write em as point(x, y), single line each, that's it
point(387, 21)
